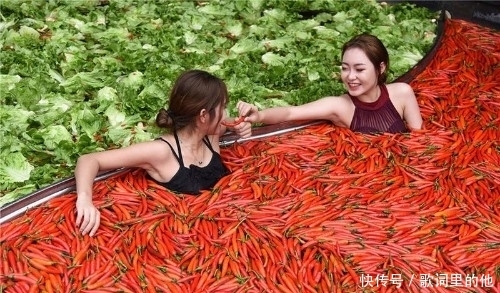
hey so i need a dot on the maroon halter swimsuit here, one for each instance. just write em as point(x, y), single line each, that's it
point(378, 116)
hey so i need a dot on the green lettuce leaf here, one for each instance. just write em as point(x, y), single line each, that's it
point(14, 168)
point(55, 134)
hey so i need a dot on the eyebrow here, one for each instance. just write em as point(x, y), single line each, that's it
point(356, 64)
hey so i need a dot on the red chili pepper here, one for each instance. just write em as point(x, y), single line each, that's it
point(236, 122)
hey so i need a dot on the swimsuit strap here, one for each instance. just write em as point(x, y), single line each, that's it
point(181, 161)
point(162, 139)
point(178, 157)
point(208, 144)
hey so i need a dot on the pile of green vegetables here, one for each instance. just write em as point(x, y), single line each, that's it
point(78, 76)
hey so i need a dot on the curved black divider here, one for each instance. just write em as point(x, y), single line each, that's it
point(422, 64)
point(64, 186)
point(482, 12)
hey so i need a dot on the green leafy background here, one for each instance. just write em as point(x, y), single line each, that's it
point(78, 76)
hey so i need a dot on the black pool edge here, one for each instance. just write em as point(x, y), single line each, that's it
point(38, 197)
point(482, 12)
point(424, 62)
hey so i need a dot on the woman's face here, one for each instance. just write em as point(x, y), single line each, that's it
point(215, 121)
point(358, 73)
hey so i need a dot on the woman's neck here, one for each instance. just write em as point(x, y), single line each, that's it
point(192, 139)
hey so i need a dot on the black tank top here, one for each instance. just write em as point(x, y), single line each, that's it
point(376, 117)
point(193, 179)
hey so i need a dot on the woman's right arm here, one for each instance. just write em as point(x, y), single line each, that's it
point(327, 108)
point(89, 165)
point(88, 216)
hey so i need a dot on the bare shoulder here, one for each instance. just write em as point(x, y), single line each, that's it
point(337, 103)
point(341, 109)
point(145, 155)
point(340, 99)
point(160, 146)
point(401, 94)
point(332, 107)
point(157, 152)
point(344, 99)
point(158, 158)
point(148, 151)
point(399, 89)
point(344, 103)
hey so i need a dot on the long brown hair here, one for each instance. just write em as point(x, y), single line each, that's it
point(193, 91)
point(374, 50)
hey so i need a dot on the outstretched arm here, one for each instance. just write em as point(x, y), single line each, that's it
point(323, 109)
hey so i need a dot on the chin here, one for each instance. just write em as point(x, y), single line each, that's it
point(355, 93)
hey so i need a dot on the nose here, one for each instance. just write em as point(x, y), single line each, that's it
point(351, 75)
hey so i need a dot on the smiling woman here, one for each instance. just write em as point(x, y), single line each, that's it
point(378, 107)
point(369, 106)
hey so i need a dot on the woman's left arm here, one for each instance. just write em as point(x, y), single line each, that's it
point(408, 103)
point(411, 110)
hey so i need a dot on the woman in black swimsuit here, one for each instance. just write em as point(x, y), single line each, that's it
point(186, 160)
